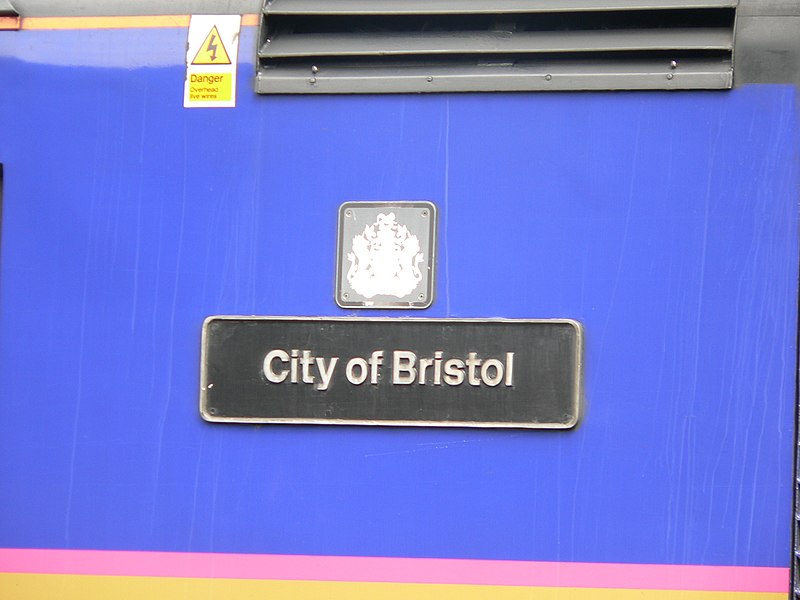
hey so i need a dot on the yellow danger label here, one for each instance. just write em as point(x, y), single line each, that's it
point(212, 50)
point(210, 87)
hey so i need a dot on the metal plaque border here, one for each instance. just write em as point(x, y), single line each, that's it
point(434, 224)
point(577, 401)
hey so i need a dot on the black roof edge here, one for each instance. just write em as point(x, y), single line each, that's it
point(7, 9)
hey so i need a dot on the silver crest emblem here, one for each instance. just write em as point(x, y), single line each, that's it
point(385, 259)
point(386, 254)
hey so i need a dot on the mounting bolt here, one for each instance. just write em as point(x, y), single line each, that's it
point(345, 295)
point(424, 213)
point(673, 64)
point(430, 78)
point(313, 80)
point(670, 75)
point(348, 213)
point(548, 77)
point(315, 69)
point(421, 296)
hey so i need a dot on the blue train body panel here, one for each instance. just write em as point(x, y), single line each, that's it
point(666, 223)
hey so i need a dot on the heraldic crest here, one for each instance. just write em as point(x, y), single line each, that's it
point(384, 259)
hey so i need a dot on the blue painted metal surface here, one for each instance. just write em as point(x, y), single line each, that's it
point(665, 222)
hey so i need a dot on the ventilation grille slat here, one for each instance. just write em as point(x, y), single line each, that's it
point(361, 46)
point(331, 44)
point(456, 7)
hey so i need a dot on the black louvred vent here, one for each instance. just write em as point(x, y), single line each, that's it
point(386, 46)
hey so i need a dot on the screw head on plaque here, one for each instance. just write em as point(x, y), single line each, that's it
point(386, 255)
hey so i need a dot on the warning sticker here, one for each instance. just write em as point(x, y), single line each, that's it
point(211, 53)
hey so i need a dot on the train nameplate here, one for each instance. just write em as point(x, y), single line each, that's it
point(453, 372)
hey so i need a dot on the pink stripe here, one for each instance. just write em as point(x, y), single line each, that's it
point(396, 570)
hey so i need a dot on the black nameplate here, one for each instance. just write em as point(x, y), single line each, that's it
point(485, 373)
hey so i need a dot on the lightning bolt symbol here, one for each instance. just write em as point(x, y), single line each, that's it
point(212, 47)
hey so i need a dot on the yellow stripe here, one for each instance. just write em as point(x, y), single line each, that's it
point(105, 22)
point(125, 22)
point(26, 586)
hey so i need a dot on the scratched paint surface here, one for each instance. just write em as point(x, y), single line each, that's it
point(665, 223)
